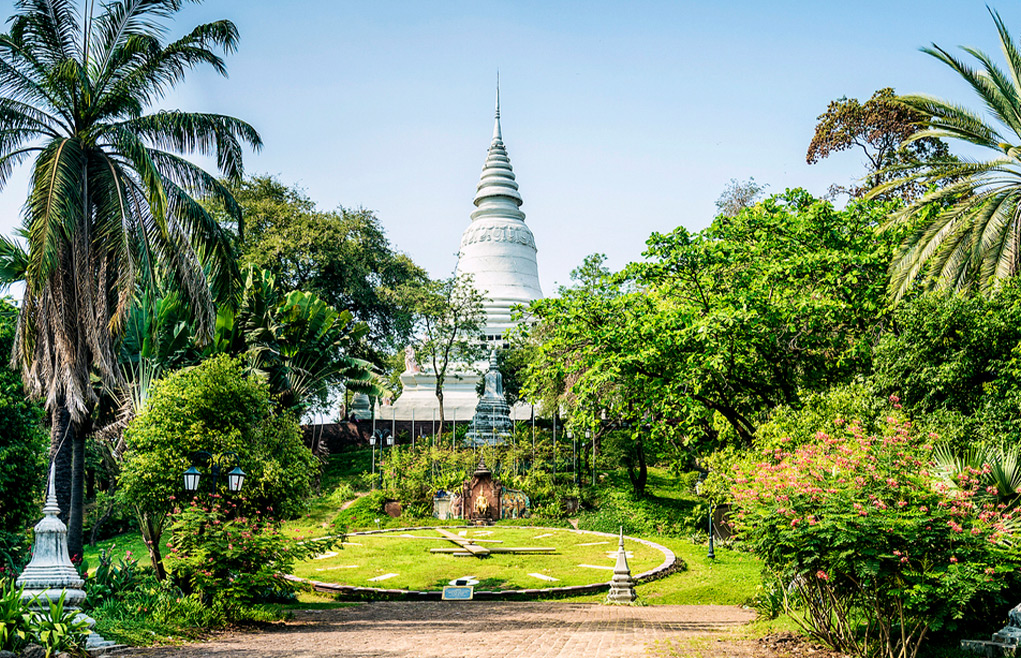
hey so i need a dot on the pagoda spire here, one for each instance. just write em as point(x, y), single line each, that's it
point(497, 191)
point(497, 131)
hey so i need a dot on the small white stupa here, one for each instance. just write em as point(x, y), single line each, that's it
point(50, 574)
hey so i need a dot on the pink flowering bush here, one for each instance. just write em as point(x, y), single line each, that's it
point(874, 552)
point(221, 554)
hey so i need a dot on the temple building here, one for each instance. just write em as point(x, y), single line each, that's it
point(498, 252)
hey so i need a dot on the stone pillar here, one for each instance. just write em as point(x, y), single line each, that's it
point(622, 585)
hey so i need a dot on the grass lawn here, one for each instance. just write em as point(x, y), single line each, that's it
point(407, 555)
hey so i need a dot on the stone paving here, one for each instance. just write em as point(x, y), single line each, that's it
point(469, 630)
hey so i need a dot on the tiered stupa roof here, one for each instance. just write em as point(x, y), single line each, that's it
point(498, 248)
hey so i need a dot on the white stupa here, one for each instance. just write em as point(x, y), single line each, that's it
point(497, 248)
point(498, 251)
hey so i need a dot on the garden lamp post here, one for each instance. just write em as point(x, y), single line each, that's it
point(217, 466)
point(382, 437)
point(588, 437)
point(574, 454)
point(698, 489)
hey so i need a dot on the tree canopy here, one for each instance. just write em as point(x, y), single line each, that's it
point(342, 256)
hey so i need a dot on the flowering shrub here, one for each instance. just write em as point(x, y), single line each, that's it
point(878, 553)
point(219, 554)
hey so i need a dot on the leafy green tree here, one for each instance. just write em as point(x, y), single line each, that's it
point(448, 317)
point(341, 256)
point(22, 448)
point(972, 242)
point(110, 201)
point(879, 127)
point(718, 328)
point(216, 407)
point(955, 363)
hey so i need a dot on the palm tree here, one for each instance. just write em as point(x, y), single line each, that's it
point(111, 200)
point(966, 233)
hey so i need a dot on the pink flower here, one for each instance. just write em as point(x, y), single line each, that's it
point(822, 575)
point(953, 560)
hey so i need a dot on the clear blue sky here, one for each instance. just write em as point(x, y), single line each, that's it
point(621, 118)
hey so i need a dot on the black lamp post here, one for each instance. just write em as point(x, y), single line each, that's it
point(574, 454)
point(382, 437)
point(698, 489)
point(217, 465)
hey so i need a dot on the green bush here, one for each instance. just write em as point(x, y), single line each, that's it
point(112, 579)
point(155, 612)
point(880, 553)
point(645, 516)
point(15, 619)
point(215, 407)
point(221, 554)
point(22, 453)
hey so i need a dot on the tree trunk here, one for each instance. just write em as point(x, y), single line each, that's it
point(61, 450)
point(76, 514)
point(151, 534)
point(439, 398)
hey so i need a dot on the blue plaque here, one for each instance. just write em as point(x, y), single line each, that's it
point(456, 593)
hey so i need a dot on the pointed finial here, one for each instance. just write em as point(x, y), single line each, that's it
point(492, 360)
point(497, 131)
point(621, 544)
point(51, 508)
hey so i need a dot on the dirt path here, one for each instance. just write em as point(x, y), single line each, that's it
point(474, 629)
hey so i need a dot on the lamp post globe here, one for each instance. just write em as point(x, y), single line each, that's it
point(235, 479)
point(191, 479)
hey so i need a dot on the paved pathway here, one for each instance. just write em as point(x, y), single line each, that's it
point(469, 630)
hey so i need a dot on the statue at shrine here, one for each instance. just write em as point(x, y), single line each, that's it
point(481, 504)
point(492, 424)
point(410, 362)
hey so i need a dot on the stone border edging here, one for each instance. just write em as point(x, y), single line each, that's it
point(668, 566)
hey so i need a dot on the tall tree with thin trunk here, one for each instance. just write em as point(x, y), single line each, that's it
point(448, 323)
point(112, 201)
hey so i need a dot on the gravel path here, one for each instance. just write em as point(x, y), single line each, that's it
point(469, 630)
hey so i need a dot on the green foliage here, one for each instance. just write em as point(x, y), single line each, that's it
point(22, 450)
point(112, 579)
point(971, 240)
point(880, 553)
point(218, 552)
point(58, 629)
point(155, 612)
point(342, 256)
point(215, 407)
point(717, 328)
point(954, 361)
point(15, 618)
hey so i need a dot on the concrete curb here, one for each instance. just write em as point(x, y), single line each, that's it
point(668, 566)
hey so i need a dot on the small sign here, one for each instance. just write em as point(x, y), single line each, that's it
point(456, 593)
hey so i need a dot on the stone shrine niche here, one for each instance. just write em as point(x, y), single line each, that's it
point(482, 499)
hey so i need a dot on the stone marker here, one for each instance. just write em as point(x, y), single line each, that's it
point(622, 585)
point(50, 574)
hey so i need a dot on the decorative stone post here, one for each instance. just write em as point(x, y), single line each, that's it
point(622, 585)
point(50, 573)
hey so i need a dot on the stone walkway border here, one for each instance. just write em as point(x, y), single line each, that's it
point(668, 566)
